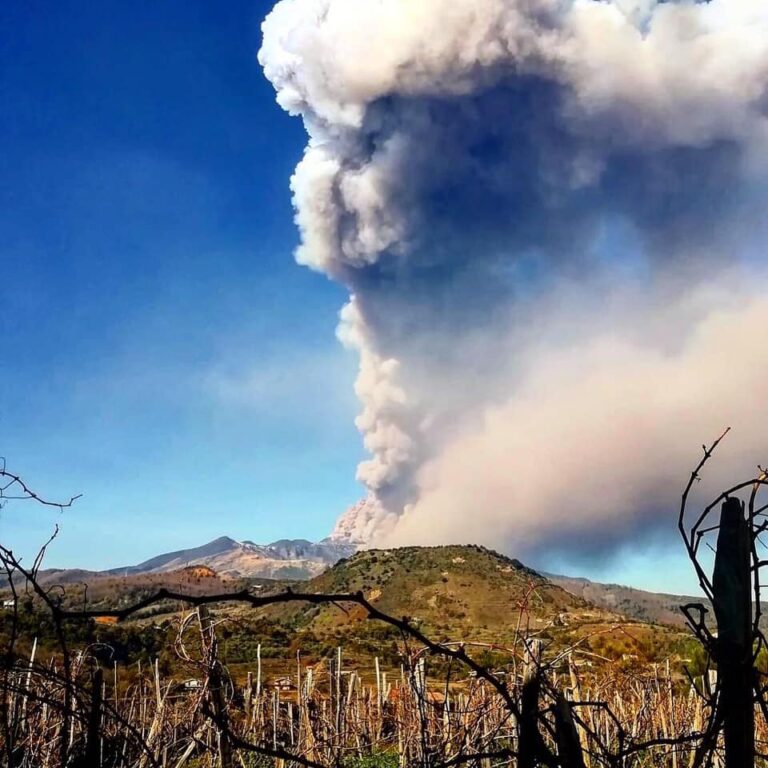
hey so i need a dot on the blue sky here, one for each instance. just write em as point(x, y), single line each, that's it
point(162, 353)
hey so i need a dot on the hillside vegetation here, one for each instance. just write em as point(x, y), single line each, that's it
point(457, 591)
point(452, 593)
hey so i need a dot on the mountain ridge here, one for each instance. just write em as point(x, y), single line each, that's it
point(640, 604)
point(280, 559)
point(453, 593)
point(302, 560)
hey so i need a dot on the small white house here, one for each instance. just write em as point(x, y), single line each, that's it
point(8, 604)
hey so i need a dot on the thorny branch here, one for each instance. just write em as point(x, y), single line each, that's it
point(13, 488)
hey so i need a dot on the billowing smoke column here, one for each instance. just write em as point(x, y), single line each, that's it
point(548, 214)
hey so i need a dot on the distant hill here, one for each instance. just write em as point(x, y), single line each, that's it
point(655, 607)
point(458, 591)
point(283, 559)
point(452, 593)
point(301, 560)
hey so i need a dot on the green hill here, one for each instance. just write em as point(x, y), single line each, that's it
point(457, 592)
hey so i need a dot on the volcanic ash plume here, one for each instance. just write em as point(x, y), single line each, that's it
point(549, 217)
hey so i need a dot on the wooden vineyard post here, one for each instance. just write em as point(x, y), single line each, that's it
point(215, 685)
point(567, 737)
point(531, 747)
point(528, 749)
point(732, 591)
point(93, 734)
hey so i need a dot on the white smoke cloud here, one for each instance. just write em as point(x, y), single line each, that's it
point(472, 163)
point(599, 439)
